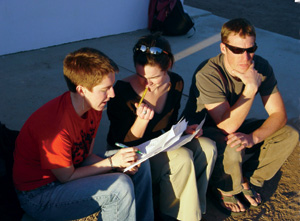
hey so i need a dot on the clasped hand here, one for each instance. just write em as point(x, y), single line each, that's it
point(241, 140)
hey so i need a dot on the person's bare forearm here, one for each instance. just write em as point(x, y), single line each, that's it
point(234, 117)
point(123, 158)
point(273, 123)
point(91, 159)
point(70, 173)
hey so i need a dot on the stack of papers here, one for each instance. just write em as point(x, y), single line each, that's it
point(168, 141)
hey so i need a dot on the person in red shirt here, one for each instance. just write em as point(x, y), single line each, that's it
point(56, 174)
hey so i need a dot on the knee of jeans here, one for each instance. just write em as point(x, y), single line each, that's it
point(126, 189)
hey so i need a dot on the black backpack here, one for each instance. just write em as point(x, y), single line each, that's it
point(9, 204)
point(169, 18)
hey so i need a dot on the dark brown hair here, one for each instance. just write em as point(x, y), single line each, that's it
point(153, 40)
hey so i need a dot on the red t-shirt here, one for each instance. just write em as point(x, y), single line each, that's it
point(53, 137)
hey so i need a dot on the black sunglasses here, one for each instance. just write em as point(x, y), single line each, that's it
point(151, 50)
point(237, 50)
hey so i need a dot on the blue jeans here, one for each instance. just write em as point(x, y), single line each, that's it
point(113, 194)
point(143, 190)
point(143, 193)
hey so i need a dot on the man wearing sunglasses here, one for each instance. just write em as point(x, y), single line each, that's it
point(250, 151)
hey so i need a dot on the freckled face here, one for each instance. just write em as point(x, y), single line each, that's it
point(239, 62)
point(101, 93)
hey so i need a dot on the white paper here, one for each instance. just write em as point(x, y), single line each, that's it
point(185, 139)
point(168, 141)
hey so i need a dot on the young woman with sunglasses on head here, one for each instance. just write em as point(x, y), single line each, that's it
point(179, 177)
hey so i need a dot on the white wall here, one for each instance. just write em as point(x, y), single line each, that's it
point(33, 24)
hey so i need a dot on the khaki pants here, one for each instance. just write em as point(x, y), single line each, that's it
point(257, 164)
point(180, 179)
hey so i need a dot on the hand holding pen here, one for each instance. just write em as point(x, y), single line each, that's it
point(124, 146)
point(124, 158)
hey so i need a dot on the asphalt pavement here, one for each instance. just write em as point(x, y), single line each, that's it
point(30, 79)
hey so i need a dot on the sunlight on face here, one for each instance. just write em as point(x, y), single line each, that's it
point(101, 93)
point(239, 62)
point(150, 76)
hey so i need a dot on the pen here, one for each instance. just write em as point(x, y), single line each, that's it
point(124, 146)
point(142, 98)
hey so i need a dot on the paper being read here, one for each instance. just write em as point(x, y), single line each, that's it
point(185, 139)
point(165, 140)
point(170, 140)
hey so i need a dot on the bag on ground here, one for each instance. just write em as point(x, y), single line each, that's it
point(168, 17)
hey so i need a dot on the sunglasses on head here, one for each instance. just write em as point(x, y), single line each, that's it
point(151, 50)
point(237, 50)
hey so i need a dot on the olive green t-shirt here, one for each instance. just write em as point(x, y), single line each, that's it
point(211, 83)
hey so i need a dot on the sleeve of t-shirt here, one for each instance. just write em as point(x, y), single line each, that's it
point(56, 153)
point(194, 112)
point(211, 87)
point(269, 82)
